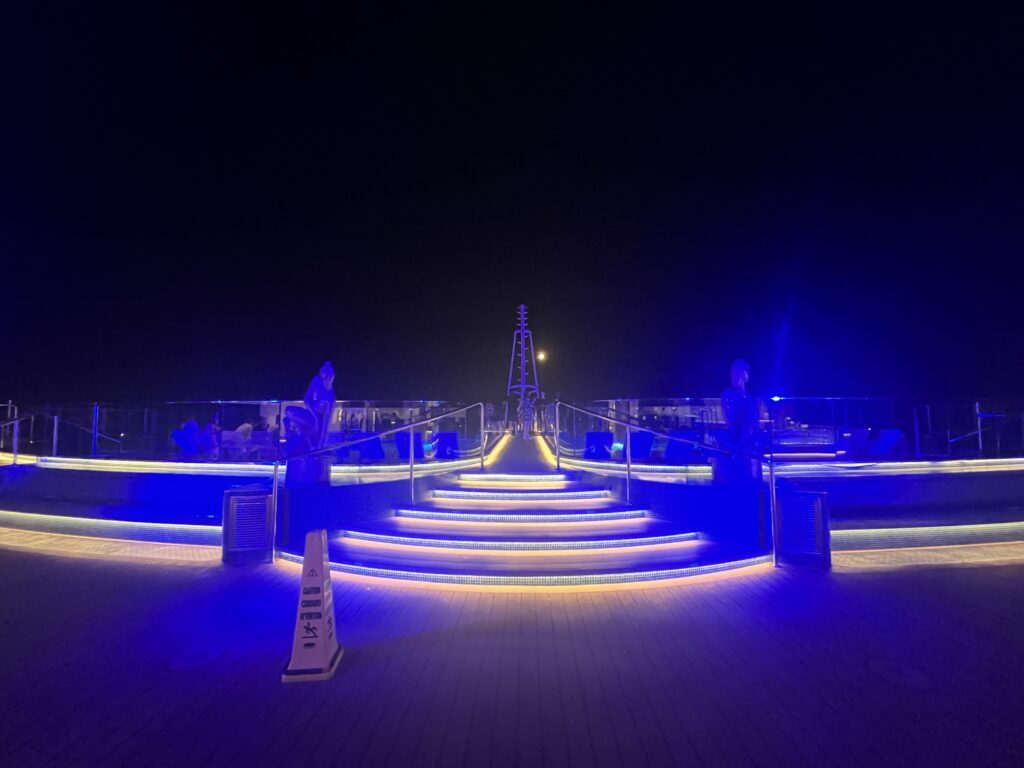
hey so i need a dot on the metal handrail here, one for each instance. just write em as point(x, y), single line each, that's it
point(16, 420)
point(410, 428)
point(96, 434)
point(773, 499)
point(86, 430)
point(656, 433)
point(377, 435)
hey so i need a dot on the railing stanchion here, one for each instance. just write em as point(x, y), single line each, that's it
point(483, 437)
point(977, 418)
point(558, 440)
point(412, 459)
point(56, 424)
point(95, 427)
point(14, 445)
point(279, 431)
point(629, 467)
point(273, 511)
point(772, 499)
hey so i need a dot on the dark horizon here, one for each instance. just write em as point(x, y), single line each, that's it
point(204, 207)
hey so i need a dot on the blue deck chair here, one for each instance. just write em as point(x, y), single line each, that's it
point(402, 443)
point(598, 446)
point(678, 453)
point(369, 450)
point(187, 441)
point(445, 445)
point(890, 442)
point(640, 444)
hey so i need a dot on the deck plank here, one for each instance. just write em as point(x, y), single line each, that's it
point(146, 664)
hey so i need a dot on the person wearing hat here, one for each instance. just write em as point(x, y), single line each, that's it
point(742, 430)
point(319, 399)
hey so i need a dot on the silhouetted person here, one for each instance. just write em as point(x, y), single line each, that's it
point(209, 438)
point(740, 411)
point(186, 438)
point(742, 428)
point(313, 421)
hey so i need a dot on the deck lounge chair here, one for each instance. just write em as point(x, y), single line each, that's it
point(598, 446)
point(402, 444)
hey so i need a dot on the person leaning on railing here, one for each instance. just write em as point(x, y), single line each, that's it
point(742, 431)
point(312, 422)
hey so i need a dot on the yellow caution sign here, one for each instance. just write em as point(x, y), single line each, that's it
point(315, 652)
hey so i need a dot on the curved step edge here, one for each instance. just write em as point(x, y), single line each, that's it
point(395, 576)
point(539, 545)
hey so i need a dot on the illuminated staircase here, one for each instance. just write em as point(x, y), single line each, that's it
point(535, 528)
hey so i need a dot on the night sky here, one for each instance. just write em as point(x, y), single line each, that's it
point(208, 206)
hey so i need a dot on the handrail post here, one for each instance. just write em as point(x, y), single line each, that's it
point(412, 459)
point(629, 466)
point(558, 441)
point(14, 445)
point(273, 511)
point(95, 426)
point(772, 499)
point(977, 417)
point(482, 437)
point(279, 431)
point(56, 423)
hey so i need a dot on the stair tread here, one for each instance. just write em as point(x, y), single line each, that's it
point(566, 486)
point(397, 526)
point(517, 530)
point(565, 490)
point(587, 562)
point(585, 505)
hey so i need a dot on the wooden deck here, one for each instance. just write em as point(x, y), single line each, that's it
point(114, 663)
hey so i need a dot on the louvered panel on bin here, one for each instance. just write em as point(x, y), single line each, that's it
point(804, 537)
point(248, 525)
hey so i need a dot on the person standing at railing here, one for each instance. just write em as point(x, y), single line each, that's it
point(313, 421)
point(742, 432)
point(320, 401)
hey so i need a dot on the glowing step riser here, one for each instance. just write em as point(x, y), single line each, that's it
point(568, 517)
point(478, 485)
point(469, 477)
point(546, 496)
point(569, 581)
point(851, 540)
point(526, 547)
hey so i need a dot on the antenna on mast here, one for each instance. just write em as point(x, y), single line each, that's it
point(523, 384)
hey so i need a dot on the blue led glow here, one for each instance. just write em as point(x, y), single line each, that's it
point(532, 545)
point(488, 517)
point(925, 536)
point(480, 477)
point(445, 493)
point(573, 580)
point(168, 533)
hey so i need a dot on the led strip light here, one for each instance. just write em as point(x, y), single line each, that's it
point(540, 546)
point(486, 517)
point(445, 493)
point(238, 469)
point(482, 477)
point(168, 533)
point(925, 536)
point(567, 580)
